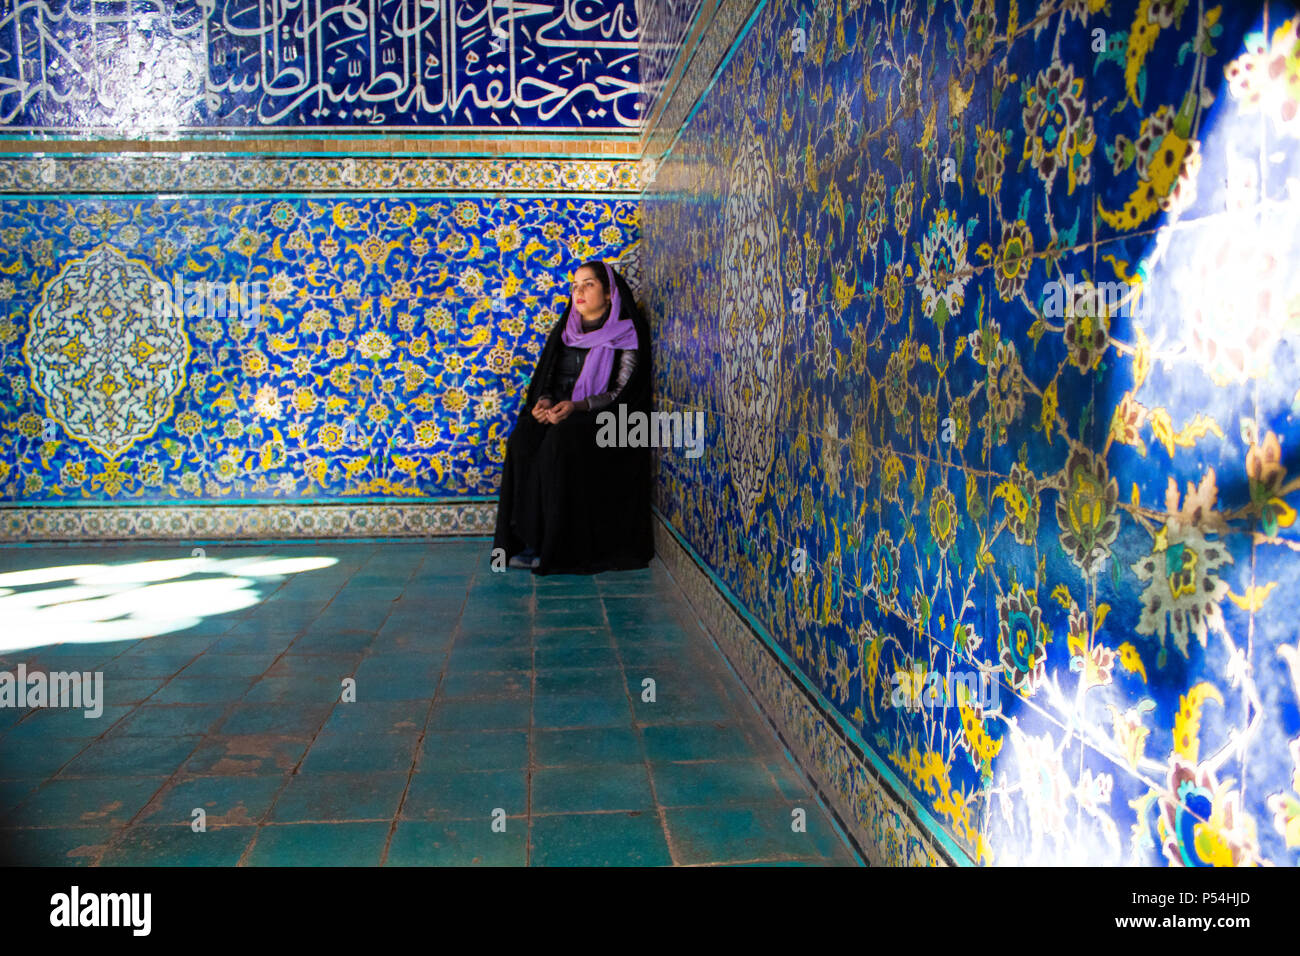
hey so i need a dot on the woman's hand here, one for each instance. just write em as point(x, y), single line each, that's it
point(559, 412)
point(540, 409)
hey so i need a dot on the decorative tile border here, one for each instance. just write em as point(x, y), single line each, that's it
point(134, 173)
point(187, 522)
point(886, 827)
point(721, 34)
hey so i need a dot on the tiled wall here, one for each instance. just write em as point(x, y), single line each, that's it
point(345, 347)
point(355, 306)
point(872, 262)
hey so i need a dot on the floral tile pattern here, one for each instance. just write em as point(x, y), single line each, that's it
point(988, 307)
point(278, 349)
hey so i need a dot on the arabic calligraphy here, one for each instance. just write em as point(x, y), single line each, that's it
point(154, 66)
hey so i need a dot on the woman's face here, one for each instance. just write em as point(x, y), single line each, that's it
point(588, 294)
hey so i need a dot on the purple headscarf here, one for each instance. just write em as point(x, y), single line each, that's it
point(616, 333)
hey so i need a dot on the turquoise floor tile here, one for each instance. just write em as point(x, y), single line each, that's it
point(713, 783)
point(662, 638)
point(380, 580)
point(242, 642)
point(458, 843)
point(414, 686)
point(570, 710)
point(587, 745)
point(324, 797)
point(247, 754)
point(495, 636)
point(463, 683)
point(299, 663)
point(588, 788)
point(405, 640)
point(161, 664)
point(9, 716)
point(550, 602)
point(68, 724)
point(292, 691)
point(466, 658)
point(361, 753)
point(178, 846)
point(170, 720)
point(423, 614)
point(183, 642)
point(259, 718)
point(789, 779)
point(743, 834)
point(562, 656)
point(481, 713)
point(332, 635)
point(675, 703)
point(496, 614)
point(577, 680)
point(634, 583)
point(461, 750)
point(638, 612)
point(578, 612)
point(397, 664)
point(63, 846)
point(673, 742)
point(132, 756)
point(377, 717)
point(14, 792)
point(598, 839)
point(560, 586)
point(320, 844)
point(202, 690)
point(226, 801)
point(105, 801)
point(447, 795)
point(77, 656)
point(18, 758)
point(231, 665)
point(573, 637)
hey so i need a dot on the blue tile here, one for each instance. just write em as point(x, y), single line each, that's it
point(589, 788)
point(320, 844)
point(361, 753)
point(586, 745)
point(599, 839)
point(445, 795)
point(457, 843)
point(103, 801)
point(225, 801)
point(474, 750)
point(340, 796)
point(179, 846)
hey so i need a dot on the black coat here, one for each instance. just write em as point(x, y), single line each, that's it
point(583, 508)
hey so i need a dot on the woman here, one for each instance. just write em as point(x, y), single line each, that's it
point(567, 505)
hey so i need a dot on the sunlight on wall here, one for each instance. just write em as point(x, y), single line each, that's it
point(92, 603)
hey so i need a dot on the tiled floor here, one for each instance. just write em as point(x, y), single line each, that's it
point(498, 718)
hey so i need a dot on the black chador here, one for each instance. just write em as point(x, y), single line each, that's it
point(567, 504)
